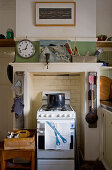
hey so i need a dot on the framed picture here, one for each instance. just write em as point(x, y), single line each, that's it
point(55, 13)
point(58, 50)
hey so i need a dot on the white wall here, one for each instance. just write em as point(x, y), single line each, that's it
point(6, 100)
point(85, 21)
point(104, 17)
point(91, 17)
point(7, 15)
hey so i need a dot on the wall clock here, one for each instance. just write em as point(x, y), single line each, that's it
point(25, 48)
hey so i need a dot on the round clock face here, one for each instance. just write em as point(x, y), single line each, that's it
point(25, 48)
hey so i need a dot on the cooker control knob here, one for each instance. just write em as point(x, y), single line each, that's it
point(58, 115)
point(50, 115)
point(41, 115)
point(45, 115)
point(69, 115)
point(63, 115)
point(72, 115)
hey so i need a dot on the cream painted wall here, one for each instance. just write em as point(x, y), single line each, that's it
point(104, 17)
point(85, 21)
point(6, 96)
point(91, 17)
point(7, 15)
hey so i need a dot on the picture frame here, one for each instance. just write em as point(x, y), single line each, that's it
point(55, 13)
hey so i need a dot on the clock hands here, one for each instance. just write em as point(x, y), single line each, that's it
point(25, 47)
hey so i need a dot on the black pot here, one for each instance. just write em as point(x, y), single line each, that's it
point(55, 100)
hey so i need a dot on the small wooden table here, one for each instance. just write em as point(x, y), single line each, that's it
point(25, 154)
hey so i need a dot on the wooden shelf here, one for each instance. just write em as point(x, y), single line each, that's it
point(7, 43)
point(106, 67)
point(104, 44)
point(18, 165)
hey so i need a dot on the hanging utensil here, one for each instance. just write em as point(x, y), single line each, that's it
point(91, 117)
point(47, 55)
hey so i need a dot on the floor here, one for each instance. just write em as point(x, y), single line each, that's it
point(88, 165)
point(91, 165)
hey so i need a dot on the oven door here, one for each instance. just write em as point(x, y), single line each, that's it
point(42, 153)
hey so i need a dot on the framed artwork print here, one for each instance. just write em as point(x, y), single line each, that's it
point(57, 50)
point(55, 13)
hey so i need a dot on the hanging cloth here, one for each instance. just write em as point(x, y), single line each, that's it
point(18, 106)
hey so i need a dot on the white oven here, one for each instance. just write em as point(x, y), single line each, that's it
point(56, 159)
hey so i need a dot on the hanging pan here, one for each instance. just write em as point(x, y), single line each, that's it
point(10, 73)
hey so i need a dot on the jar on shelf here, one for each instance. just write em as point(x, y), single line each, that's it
point(9, 34)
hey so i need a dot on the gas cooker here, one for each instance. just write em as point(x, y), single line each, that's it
point(56, 113)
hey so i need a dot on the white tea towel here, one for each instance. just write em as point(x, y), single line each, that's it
point(57, 135)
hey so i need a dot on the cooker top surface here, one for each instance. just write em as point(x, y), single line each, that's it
point(48, 108)
point(65, 112)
